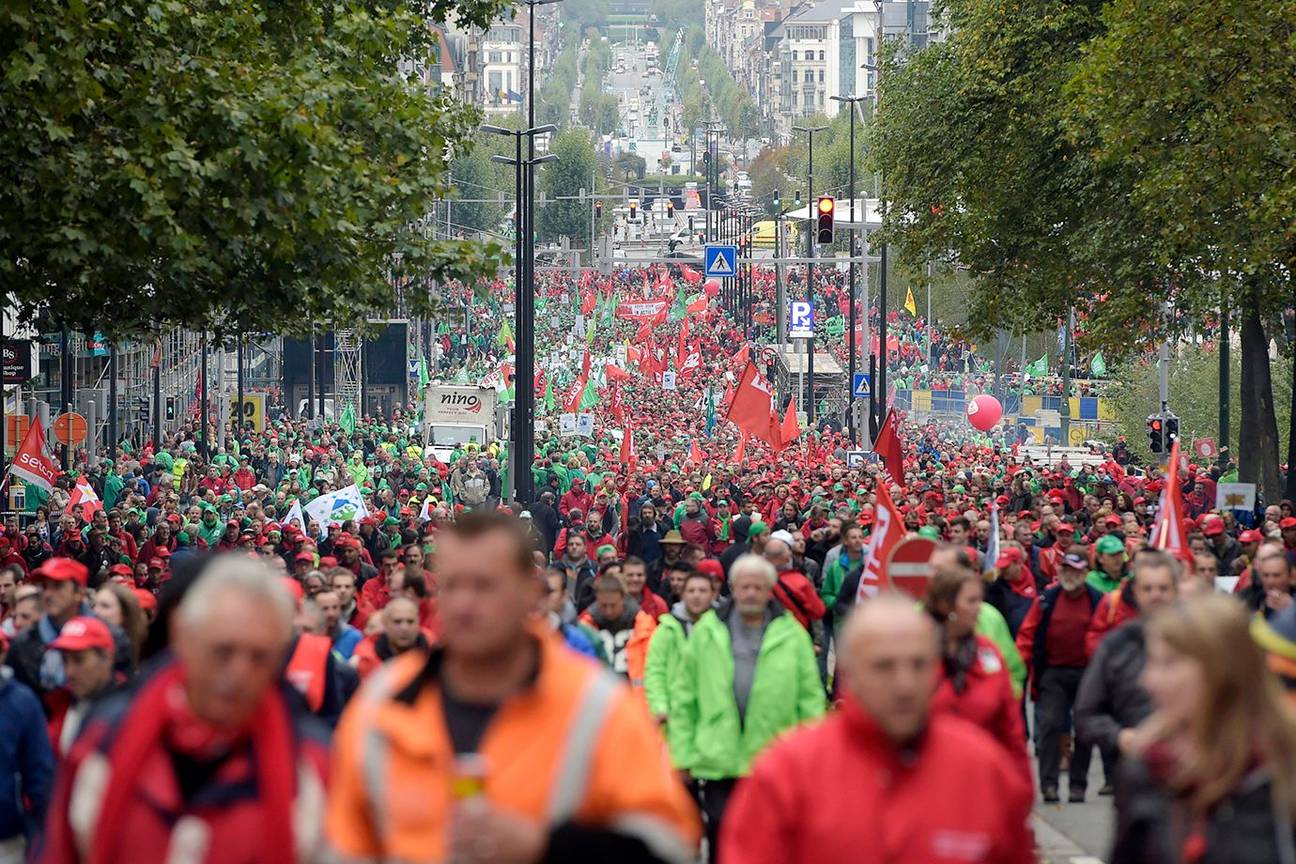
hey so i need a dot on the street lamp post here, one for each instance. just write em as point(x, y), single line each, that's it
point(810, 254)
point(851, 102)
point(523, 430)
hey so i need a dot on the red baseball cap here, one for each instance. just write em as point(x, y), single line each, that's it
point(82, 633)
point(305, 556)
point(147, 601)
point(1009, 556)
point(1212, 526)
point(157, 562)
point(1250, 535)
point(1289, 522)
point(66, 570)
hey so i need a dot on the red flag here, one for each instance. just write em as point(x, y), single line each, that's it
point(588, 301)
point(888, 530)
point(644, 333)
point(616, 373)
point(660, 317)
point(84, 495)
point(742, 448)
point(890, 450)
point(156, 360)
point(750, 407)
point(571, 402)
point(691, 276)
point(628, 456)
point(33, 462)
point(615, 406)
point(695, 452)
point(698, 305)
point(1167, 527)
point(585, 364)
point(743, 355)
point(791, 429)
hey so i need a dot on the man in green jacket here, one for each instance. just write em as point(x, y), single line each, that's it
point(1113, 564)
point(842, 566)
point(666, 650)
point(748, 675)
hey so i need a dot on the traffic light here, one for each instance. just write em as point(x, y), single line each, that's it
point(827, 207)
point(777, 202)
point(170, 408)
point(598, 209)
point(670, 208)
point(633, 206)
point(1156, 434)
point(1171, 431)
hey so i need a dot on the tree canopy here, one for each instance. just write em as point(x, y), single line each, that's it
point(257, 164)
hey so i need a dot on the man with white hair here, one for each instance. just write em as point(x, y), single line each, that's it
point(206, 760)
point(748, 675)
point(883, 779)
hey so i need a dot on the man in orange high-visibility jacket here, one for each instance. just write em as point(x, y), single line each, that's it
point(502, 744)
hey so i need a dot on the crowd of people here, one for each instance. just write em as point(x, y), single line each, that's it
point(679, 645)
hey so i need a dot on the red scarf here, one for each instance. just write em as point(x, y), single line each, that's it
point(161, 712)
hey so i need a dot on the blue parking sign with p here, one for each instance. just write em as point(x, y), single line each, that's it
point(801, 319)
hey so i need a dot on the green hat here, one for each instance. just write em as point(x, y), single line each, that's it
point(757, 529)
point(390, 520)
point(1109, 545)
point(182, 538)
point(929, 531)
point(606, 547)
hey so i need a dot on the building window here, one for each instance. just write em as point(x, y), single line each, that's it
point(495, 57)
point(793, 56)
point(821, 74)
point(821, 57)
point(495, 82)
point(793, 76)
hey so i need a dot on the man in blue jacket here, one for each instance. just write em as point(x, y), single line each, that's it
point(26, 759)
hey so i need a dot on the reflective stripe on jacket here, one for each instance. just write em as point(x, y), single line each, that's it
point(573, 746)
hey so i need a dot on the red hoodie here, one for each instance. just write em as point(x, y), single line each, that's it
point(841, 790)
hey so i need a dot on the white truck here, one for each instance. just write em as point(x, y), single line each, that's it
point(454, 415)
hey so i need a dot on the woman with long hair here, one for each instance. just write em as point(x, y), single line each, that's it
point(976, 683)
point(117, 605)
point(1211, 774)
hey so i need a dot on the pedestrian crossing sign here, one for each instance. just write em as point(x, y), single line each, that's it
point(721, 261)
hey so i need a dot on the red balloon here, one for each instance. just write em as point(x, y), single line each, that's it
point(983, 412)
point(711, 287)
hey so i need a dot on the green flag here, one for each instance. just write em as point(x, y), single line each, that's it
point(835, 326)
point(348, 419)
point(549, 397)
point(590, 397)
point(423, 378)
point(589, 330)
point(505, 333)
point(1098, 366)
point(1039, 368)
point(680, 307)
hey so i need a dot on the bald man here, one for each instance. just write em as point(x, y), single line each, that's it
point(883, 779)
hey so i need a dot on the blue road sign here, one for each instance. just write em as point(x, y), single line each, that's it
point(800, 319)
point(860, 388)
point(721, 261)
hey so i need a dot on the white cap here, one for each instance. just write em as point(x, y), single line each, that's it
point(525, 514)
point(785, 536)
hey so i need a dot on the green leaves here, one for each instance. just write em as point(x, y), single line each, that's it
point(258, 164)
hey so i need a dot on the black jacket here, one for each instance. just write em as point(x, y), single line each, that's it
point(1110, 698)
point(545, 518)
point(1242, 828)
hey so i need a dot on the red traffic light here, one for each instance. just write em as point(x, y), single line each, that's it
point(1155, 425)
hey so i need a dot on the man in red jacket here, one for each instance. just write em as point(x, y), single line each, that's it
point(883, 779)
point(793, 590)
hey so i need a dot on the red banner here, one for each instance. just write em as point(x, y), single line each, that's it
point(645, 311)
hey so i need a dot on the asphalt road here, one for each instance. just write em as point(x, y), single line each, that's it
point(1076, 833)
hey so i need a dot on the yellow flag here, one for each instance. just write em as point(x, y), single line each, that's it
point(910, 306)
point(706, 483)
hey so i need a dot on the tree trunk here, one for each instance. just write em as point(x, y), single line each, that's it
point(1290, 492)
point(1258, 435)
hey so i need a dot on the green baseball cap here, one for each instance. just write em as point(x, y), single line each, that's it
point(1109, 545)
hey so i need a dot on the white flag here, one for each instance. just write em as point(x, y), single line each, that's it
point(295, 515)
point(425, 514)
point(340, 506)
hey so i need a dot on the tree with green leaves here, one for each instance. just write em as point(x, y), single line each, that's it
point(563, 213)
point(210, 165)
point(1108, 158)
point(486, 188)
